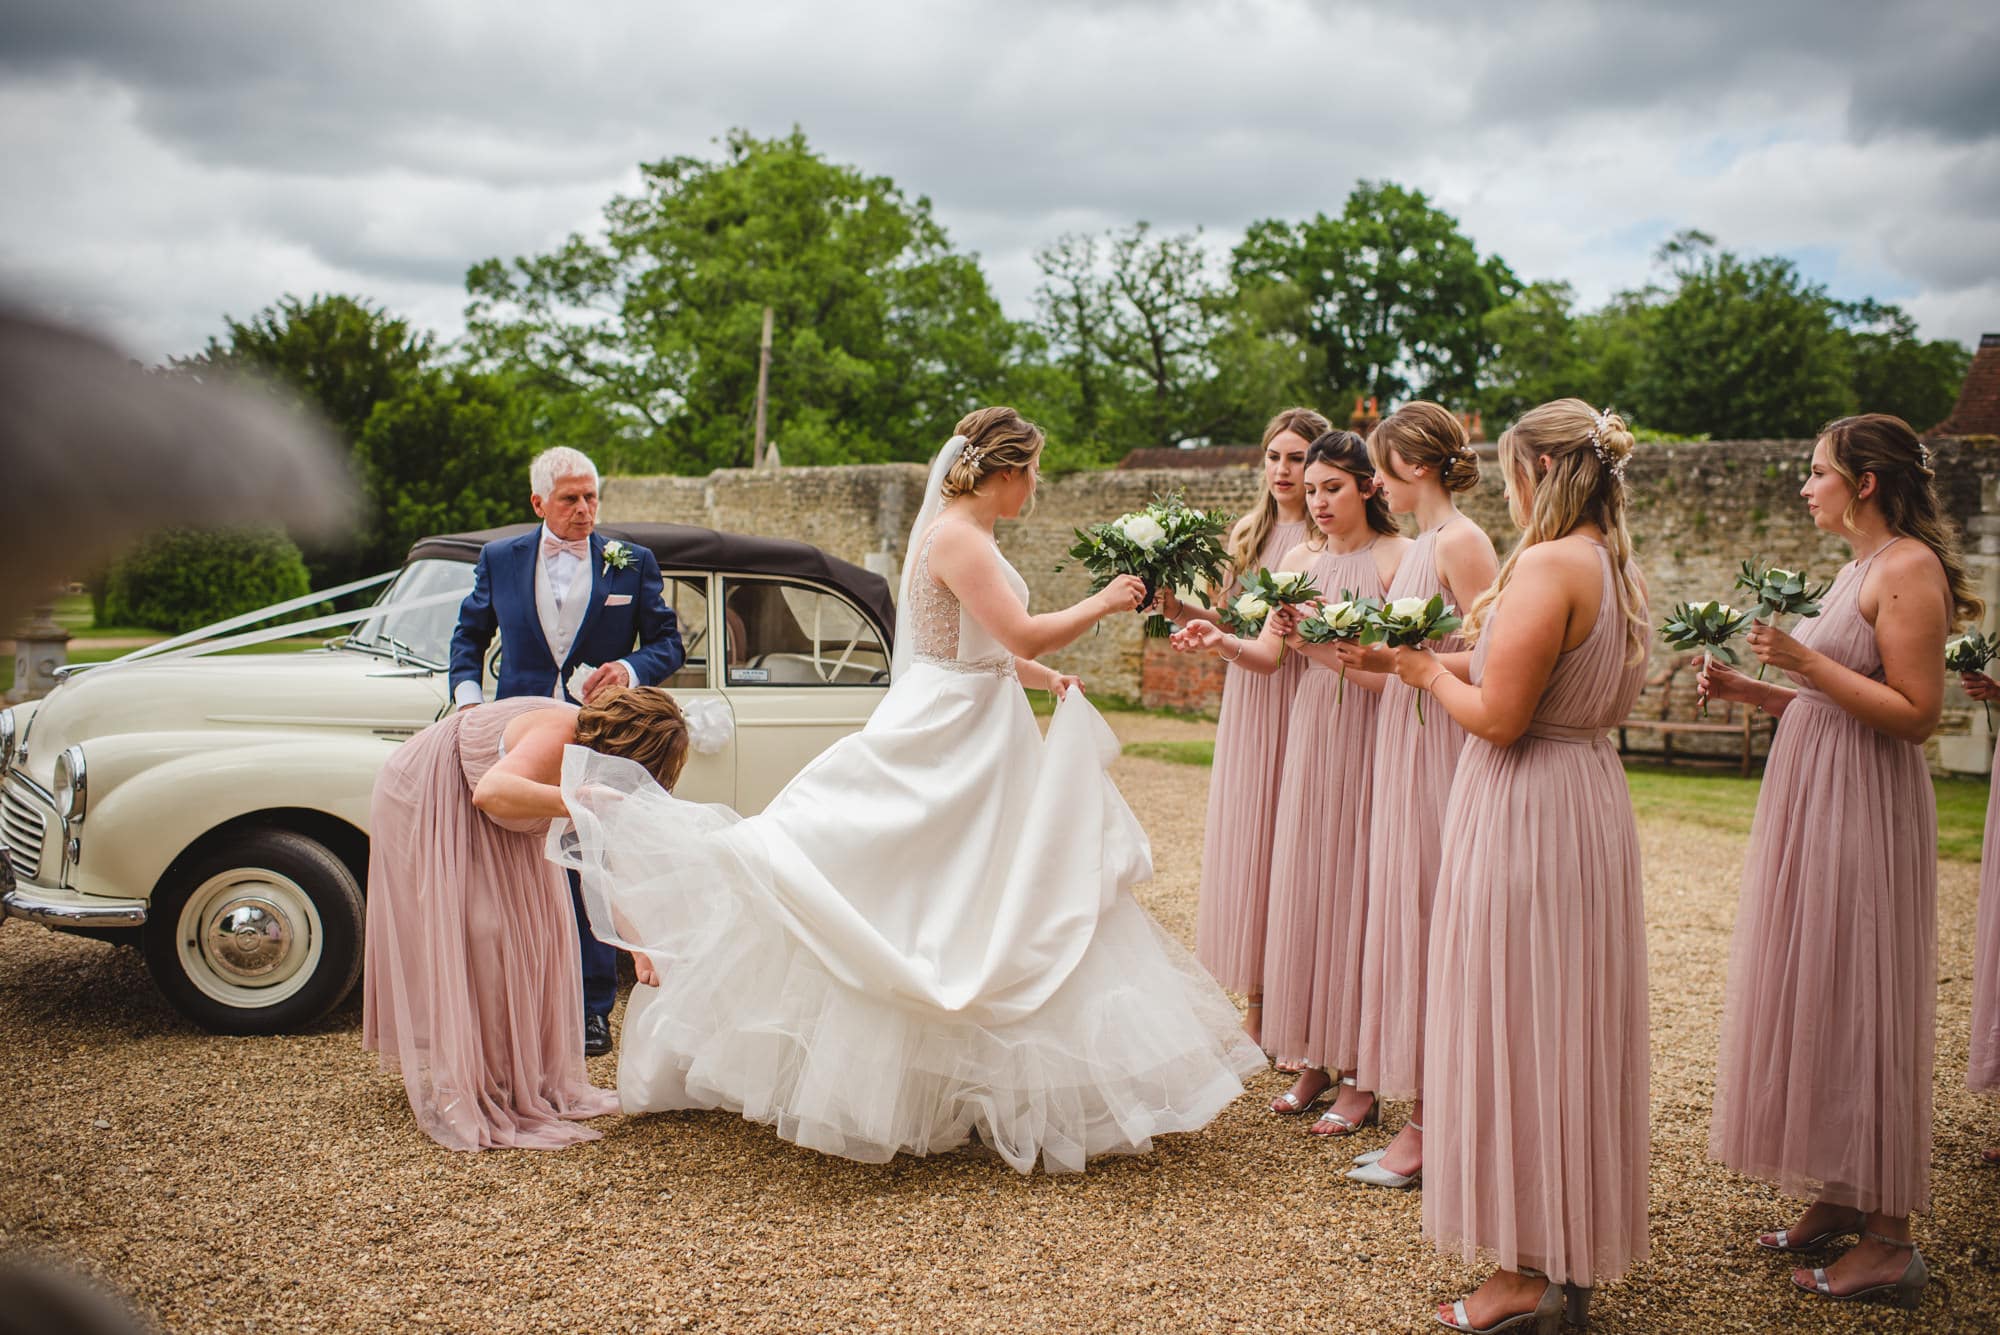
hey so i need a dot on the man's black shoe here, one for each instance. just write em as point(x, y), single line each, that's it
point(596, 1035)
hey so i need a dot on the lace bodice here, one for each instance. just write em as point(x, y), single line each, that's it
point(942, 633)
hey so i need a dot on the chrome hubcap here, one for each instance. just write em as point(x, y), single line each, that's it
point(248, 937)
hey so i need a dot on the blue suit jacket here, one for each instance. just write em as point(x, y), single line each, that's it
point(503, 599)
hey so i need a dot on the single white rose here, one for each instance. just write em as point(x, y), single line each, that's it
point(1408, 609)
point(1252, 608)
point(1288, 580)
point(1142, 530)
point(1723, 610)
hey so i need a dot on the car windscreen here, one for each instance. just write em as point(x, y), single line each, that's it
point(425, 633)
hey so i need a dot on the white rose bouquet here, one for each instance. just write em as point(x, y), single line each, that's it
point(1408, 623)
point(1264, 590)
point(1971, 652)
point(1168, 545)
point(1345, 619)
point(1779, 593)
point(1709, 627)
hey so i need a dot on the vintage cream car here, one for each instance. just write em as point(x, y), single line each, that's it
point(214, 810)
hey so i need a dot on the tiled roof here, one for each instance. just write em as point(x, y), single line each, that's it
point(1978, 410)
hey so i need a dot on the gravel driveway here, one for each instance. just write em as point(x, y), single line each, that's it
point(279, 1184)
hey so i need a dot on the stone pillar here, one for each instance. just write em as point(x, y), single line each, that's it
point(40, 647)
point(1971, 751)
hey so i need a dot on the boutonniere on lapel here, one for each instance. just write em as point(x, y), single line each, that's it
point(617, 556)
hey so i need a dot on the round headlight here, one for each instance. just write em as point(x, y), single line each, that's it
point(7, 732)
point(72, 792)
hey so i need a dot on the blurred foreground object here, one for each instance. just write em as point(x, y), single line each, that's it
point(39, 1299)
point(95, 451)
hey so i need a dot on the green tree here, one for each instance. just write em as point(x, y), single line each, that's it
point(1895, 371)
point(648, 337)
point(1398, 293)
point(1537, 352)
point(340, 354)
point(450, 452)
point(1742, 348)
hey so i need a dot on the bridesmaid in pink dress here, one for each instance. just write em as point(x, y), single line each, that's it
point(1422, 459)
point(1312, 944)
point(1983, 1072)
point(1535, 1041)
point(1823, 1083)
point(472, 985)
point(1249, 733)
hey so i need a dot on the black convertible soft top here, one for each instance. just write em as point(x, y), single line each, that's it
point(685, 547)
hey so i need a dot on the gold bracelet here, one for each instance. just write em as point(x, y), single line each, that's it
point(1441, 672)
point(1225, 657)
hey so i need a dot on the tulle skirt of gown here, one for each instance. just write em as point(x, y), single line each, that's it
point(1536, 1134)
point(928, 933)
point(1823, 1082)
point(1983, 1073)
point(473, 986)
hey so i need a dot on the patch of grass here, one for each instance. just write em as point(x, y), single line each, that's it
point(1727, 802)
point(1200, 752)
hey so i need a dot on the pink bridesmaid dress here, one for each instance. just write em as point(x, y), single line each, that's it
point(1319, 857)
point(1414, 765)
point(473, 987)
point(1983, 1074)
point(1243, 807)
point(1535, 1046)
point(1823, 1082)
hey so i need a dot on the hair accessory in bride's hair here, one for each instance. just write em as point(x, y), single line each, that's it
point(971, 454)
point(1923, 456)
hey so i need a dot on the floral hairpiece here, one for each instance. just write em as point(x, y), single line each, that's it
point(1599, 425)
point(1923, 456)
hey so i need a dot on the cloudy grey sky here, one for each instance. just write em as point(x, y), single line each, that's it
point(167, 161)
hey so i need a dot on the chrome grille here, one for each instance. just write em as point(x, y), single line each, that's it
point(22, 824)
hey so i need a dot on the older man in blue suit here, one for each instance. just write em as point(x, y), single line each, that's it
point(561, 596)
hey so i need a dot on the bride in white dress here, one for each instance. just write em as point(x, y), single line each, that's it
point(930, 931)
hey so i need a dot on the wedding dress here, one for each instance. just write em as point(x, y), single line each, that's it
point(929, 932)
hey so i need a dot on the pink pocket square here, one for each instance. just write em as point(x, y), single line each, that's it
point(617, 599)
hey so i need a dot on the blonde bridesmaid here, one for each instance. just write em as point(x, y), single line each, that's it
point(1823, 1084)
point(1312, 943)
point(1535, 1042)
point(1250, 732)
point(1422, 460)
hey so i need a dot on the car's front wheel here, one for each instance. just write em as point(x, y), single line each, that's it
point(259, 935)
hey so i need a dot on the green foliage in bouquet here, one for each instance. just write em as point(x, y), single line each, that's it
point(1708, 626)
point(1971, 652)
point(1262, 591)
point(1407, 623)
point(1345, 619)
point(1779, 593)
point(1168, 545)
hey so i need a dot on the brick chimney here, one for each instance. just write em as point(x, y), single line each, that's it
point(1978, 410)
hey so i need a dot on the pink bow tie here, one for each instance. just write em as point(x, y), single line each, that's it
point(551, 544)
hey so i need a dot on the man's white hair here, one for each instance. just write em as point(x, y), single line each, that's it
point(560, 462)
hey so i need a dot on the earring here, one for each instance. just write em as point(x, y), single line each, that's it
point(1419, 471)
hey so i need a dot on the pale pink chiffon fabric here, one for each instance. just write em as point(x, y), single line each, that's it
point(1823, 1083)
point(1242, 808)
point(1414, 765)
point(473, 986)
point(1536, 1049)
point(1983, 1073)
point(1319, 859)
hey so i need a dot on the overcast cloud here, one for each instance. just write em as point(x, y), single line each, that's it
point(169, 162)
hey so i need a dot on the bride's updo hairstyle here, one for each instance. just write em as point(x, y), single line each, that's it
point(996, 440)
point(1350, 454)
point(640, 723)
point(1422, 434)
point(1904, 490)
point(1584, 483)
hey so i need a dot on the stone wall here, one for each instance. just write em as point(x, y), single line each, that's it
point(1697, 511)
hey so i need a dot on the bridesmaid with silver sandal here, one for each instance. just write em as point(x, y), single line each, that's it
point(1823, 1082)
point(1535, 1043)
